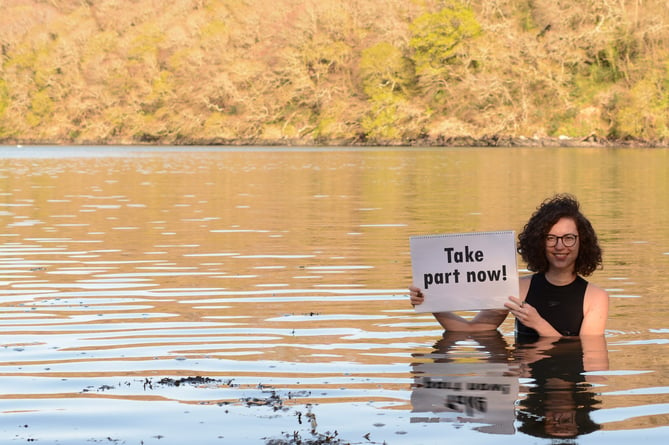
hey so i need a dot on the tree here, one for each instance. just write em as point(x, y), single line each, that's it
point(437, 38)
point(384, 69)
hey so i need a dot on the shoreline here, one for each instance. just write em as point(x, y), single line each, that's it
point(591, 141)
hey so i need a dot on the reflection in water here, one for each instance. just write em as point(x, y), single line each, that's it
point(474, 378)
point(470, 379)
point(560, 397)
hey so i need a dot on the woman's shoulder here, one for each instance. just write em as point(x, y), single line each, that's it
point(595, 292)
point(596, 301)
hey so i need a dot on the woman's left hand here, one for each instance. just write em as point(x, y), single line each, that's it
point(524, 312)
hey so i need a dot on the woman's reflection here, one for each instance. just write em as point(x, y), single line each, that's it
point(474, 378)
point(560, 398)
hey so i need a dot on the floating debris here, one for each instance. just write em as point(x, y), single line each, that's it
point(167, 381)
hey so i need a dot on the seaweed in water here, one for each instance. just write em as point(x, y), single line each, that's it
point(187, 381)
point(274, 401)
point(327, 438)
point(295, 438)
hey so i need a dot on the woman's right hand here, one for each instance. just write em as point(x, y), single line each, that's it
point(416, 296)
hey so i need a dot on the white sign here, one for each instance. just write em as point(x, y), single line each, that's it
point(465, 271)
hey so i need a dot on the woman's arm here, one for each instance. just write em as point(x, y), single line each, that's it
point(485, 320)
point(595, 311)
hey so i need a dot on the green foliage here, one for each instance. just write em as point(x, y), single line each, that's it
point(612, 62)
point(145, 44)
point(214, 29)
point(41, 108)
point(441, 43)
point(22, 57)
point(337, 121)
point(4, 106)
point(384, 69)
point(436, 37)
point(382, 122)
point(391, 119)
point(4, 97)
point(162, 88)
point(388, 79)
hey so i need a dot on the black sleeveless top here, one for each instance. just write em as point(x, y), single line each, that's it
point(561, 306)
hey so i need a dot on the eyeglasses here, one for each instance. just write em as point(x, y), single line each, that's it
point(568, 240)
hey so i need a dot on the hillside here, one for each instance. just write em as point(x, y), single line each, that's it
point(334, 71)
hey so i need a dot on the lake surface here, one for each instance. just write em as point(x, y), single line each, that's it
point(258, 296)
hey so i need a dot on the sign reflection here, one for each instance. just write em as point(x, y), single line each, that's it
point(538, 387)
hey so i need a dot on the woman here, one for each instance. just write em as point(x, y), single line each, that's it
point(559, 244)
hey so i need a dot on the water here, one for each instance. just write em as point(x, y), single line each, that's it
point(167, 295)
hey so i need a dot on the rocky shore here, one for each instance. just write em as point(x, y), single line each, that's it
point(440, 141)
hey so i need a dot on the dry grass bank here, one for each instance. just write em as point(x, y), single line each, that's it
point(334, 71)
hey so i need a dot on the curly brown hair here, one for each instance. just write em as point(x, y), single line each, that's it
point(532, 240)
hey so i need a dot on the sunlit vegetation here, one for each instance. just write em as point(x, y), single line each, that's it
point(333, 71)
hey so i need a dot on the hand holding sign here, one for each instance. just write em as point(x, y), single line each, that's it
point(464, 271)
